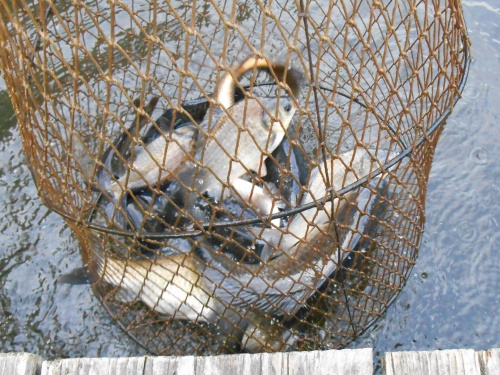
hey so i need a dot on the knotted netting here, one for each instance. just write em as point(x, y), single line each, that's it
point(241, 175)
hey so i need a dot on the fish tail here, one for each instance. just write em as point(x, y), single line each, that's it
point(78, 276)
point(232, 326)
point(227, 87)
point(104, 266)
point(116, 209)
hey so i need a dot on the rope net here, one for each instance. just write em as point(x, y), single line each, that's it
point(241, 176)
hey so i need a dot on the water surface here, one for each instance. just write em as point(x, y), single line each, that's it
point(450, 301)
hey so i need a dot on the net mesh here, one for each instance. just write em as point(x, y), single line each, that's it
point(224, 207)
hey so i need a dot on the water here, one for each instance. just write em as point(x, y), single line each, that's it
point(450, 301)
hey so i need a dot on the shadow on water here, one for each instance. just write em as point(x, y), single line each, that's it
point(7, 115)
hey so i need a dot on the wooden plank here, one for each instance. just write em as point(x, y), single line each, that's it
point(271, 363)
point(341, 362)
point(439, 362)
point(188, 365)
point(95, 366)
point(19, 364)
point(170, 365)
point(225, 364)
point(489, 361)
point(345, 362)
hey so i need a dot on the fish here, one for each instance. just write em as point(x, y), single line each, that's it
point(244, 150)
point(235, 141)
point(112, 160)
point(115, 159)
point(359, 163)
point(172, 286)
point(158, 161)
point(297, 259)
point(207, 285)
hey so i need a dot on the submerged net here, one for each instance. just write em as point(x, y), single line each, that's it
point(279, 206)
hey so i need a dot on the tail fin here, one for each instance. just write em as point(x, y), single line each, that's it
point(226, 90)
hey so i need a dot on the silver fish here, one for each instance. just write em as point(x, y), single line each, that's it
point(115, 155)
point(169, 285)
point(174, 286)
point(236, 141)
point(239, 144)
point(296, 264)
point(359, 163)
point(158, 161)
point(206, 285)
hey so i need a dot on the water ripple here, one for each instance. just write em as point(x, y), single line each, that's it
point(467, 231)
point(479, 155)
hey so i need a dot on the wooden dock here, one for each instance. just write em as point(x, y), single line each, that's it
point(338, 362)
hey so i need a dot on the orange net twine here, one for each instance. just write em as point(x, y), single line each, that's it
point(242, 176)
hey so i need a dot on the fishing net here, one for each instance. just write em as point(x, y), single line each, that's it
point(242, 176)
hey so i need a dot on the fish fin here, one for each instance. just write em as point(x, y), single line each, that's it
point(78, 276)
point(116, 210)
point(263, 170)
